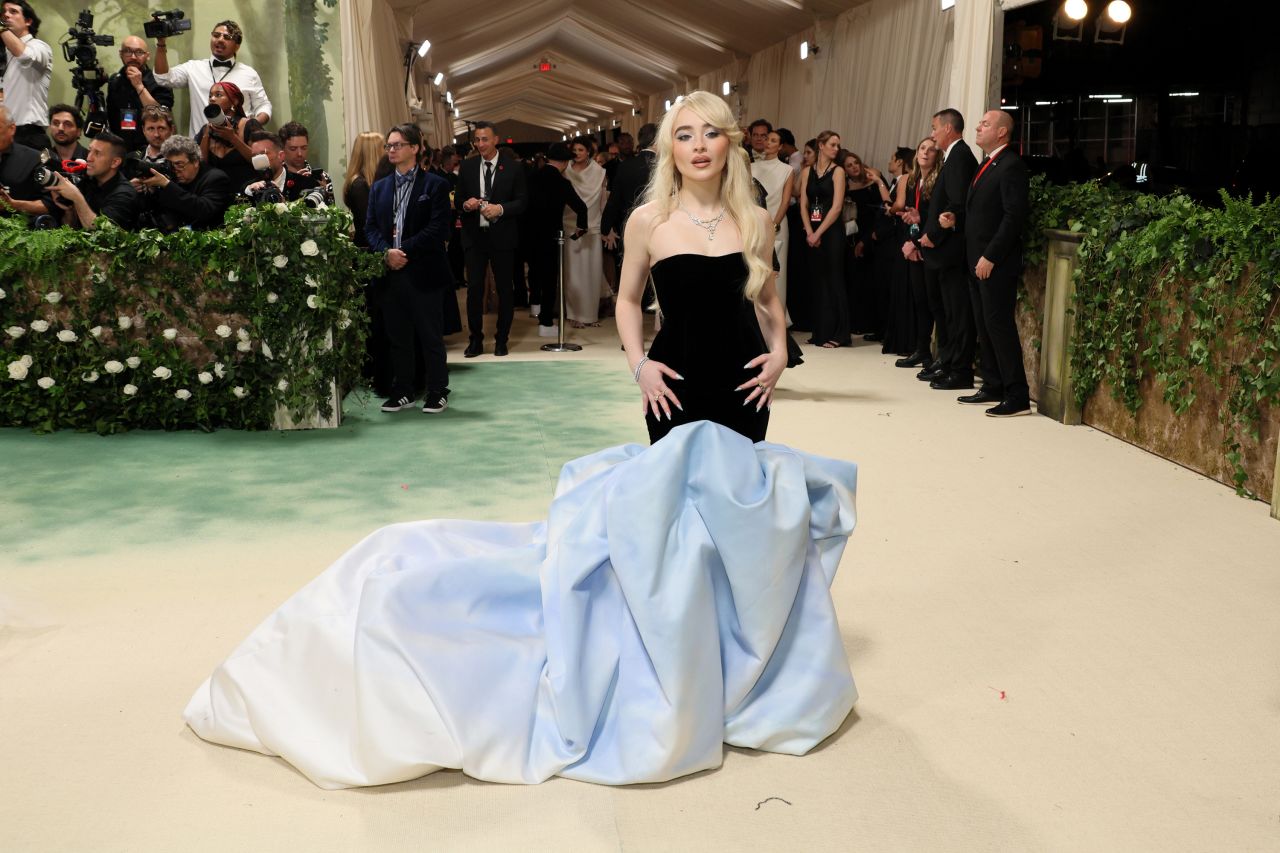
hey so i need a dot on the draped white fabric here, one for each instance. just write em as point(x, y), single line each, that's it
point(975, 85)
point(372, 87)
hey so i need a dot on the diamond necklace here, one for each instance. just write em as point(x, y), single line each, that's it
point(709, 224)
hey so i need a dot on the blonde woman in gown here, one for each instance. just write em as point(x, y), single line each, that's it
point(777, 178)
point(584, 284)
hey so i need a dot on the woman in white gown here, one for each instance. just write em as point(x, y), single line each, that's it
point(584, 284)
point(778, 178)
point(676, 598)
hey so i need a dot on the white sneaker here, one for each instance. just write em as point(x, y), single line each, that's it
point(534, 311)
point(548, 331)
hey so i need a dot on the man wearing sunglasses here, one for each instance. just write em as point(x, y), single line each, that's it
point(199, 75)
point(132, 88)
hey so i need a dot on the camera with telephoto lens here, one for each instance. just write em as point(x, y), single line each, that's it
point(46, 174)
point(165, 24)
point(313, 198)
point(134, 166)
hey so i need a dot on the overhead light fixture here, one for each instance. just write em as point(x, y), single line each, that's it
point(804, 51)
point(1112, 24)
point(1068, 23)
point(1104, 97)
point(1184, 94)
point(564, 137)
point(667, 104)
point(423, 48)
point(1075, 10)
point(637, 111)
point(1010, 107)
point(448, 96)
point(456, 114)
point(439, 78)
point(726, 88)
point(947, 4)
point(1119, 101)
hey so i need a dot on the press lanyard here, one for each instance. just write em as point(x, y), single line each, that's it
point(225, 72)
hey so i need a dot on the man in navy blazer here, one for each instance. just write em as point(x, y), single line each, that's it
point(491, 195)
point(996, 213)
point(408, 221)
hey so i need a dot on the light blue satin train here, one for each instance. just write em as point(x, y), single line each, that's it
point(676, 599)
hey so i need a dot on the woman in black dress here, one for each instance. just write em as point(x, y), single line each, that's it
point(866, 192)
point(913, 197)
point(226, 147)
point(821, 204)
point(892, 272)
point(709, 249)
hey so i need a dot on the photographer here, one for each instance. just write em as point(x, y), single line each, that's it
point(65, 126)
point(292, 185)
point(103, 193)
point(224, 140)
point(296, 142)
point(199, 75)
point(132, 89)
point(18, 164)
point(196, 196)
point(157, 126)
point(26, 76)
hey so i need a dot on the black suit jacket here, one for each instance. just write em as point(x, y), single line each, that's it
point(123, 102)
point(949, 194)
point(552, 193)
point(997, 212)
point(426, 226)
point(628, 183)
point(200, 204)
point(509, 190)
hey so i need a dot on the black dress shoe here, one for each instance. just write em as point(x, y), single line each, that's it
point(951, 382)
point(930, 373)
point(916, 359)
point(1009, 409)
point(499, 350)
point(982, 395)
point(473, 349)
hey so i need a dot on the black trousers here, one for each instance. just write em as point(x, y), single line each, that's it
point(952, 284)
point(544, 276)
point(413, 316)
point(994, 303)
point(922, 336)
point(503, 262)
point(937, 310)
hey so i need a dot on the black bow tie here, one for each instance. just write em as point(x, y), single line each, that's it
point(223, 63)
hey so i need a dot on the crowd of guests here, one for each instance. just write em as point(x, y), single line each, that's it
point(126, 164)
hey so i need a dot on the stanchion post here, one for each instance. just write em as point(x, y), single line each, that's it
point(560, 345)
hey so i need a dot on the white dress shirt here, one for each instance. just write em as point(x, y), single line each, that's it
point(199, 75)
point(947, 153)
point(26, 83)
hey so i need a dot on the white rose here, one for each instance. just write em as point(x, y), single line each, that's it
point(2, 294)
point(53, 297)
point(239, 391)
point(39, 325)
point(170, 334)
point(182, 394)
point(280, 261)
point(113, 366)
point(218, 370)
point(125, 322)
point(266, 352)
point(91, 376)
point(344, 318)
point(281, 207)
point(248, 216)
point(67, 336)
point(223, 331)
point(283, 385)
point(312, 302)
point(130, 390)
point(242, 333)
point(244, 346)
point(205, 377)
point(46, 382)
point(311, 282)
point(233, 276)
point(16, 331)
point(133, 361)
point(162, 372)
point(96, 331)
point(18, 370)
point(26, 360)
point(272, 298)
point(309, 248)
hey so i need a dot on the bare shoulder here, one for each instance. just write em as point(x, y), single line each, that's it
point(766, 221)
point(644, 215)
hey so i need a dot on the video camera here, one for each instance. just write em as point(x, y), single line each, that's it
point(80, 48)
point(165, 24)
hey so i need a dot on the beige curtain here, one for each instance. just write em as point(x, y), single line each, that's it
point(975, 82)
point(881, 71)
point(373, 88)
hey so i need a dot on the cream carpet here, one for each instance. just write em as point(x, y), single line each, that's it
point(1062, 643)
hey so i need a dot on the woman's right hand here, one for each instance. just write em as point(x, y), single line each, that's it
point(812, 239)
point(657, 397)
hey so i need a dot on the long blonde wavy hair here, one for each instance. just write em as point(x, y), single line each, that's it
point(363, 160)
point(737, 192)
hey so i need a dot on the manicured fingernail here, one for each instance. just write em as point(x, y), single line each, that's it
point(746, 366)
point(680, 407)
point(678, 376)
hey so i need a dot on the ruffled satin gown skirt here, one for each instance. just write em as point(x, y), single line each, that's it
point(676, 599)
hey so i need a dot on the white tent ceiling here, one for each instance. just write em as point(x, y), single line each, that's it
point(607, 54)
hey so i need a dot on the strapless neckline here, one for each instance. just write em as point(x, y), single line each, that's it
point(736, 254)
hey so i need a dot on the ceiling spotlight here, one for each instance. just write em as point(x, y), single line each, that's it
point(564, 137)
point(1075, 10)
point(423, 48)
point(804, 51)
point(448, 96)
point(439, 78)
point(1119, 11)
point(1068, 23)
point(667, 104)
point(456, 114)
point(726, 88)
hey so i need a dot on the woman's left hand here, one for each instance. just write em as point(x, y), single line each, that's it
point(771, 366)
